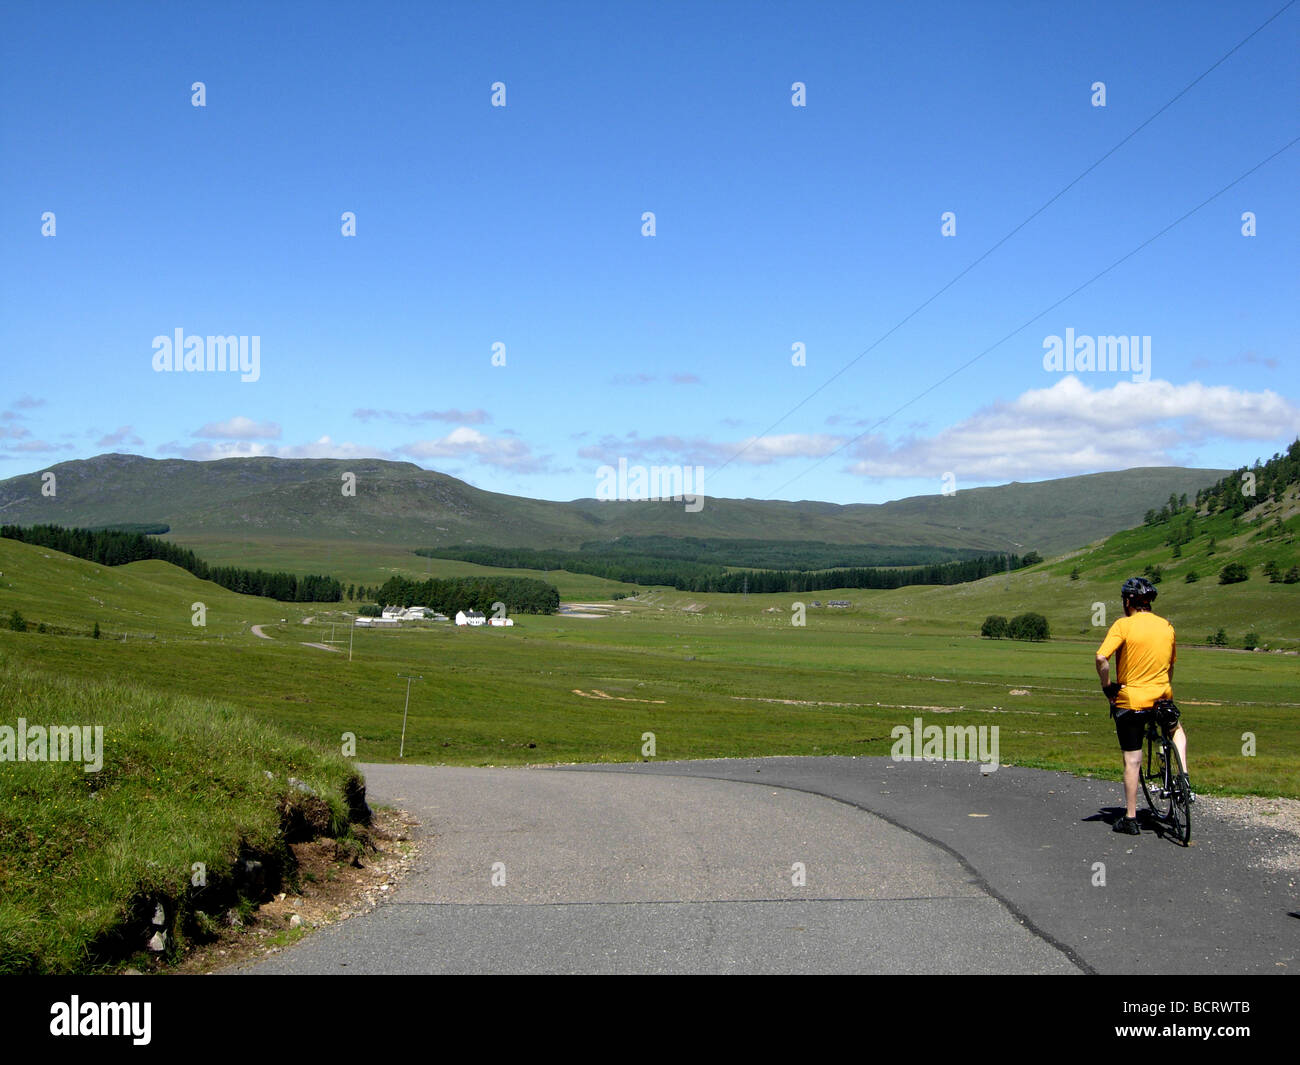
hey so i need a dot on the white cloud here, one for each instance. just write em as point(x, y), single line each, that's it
point(1070, 429)
point(239, 428)
point(324, 448)
point(124, 435)
point(36, 445)
point(460, 417)
point(695, 451)
point(464, 442)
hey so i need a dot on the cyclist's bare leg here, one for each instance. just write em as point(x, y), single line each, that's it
point(1180, 742)
point(1132, 761)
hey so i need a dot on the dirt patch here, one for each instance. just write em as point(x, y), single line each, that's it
point(337, 880)
point(596, 693)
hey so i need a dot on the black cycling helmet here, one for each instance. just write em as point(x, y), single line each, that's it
point(1139, 589)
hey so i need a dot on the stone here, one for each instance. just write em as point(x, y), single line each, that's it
point(158, 942)
point(159, 916)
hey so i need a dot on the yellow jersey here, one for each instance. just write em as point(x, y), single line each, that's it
point(1145, 650)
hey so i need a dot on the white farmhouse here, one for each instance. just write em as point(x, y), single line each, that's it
point(471, 617)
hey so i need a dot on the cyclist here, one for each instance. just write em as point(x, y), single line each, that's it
point(1145, 651)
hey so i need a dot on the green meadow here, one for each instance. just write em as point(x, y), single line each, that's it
point(710, 675)
point(195, 717)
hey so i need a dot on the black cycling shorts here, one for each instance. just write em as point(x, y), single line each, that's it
point(1131, 727)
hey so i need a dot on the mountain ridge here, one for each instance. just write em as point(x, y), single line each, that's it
point(401, 503)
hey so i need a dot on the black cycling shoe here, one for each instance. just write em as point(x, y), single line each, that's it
point(1127, 825)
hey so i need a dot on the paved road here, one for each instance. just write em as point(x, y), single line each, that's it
point(910, 868)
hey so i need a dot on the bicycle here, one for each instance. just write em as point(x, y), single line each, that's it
point(1163, 780)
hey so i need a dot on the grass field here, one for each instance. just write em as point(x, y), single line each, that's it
point(195, 717)
point(711, 676)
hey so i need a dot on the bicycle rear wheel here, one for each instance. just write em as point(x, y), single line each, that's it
point(1180, 807)
point(1154, 774)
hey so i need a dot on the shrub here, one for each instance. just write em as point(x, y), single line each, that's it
point(1251, 641)
point(1292, 576)
point(17, 623)
point(1031, 559)
point(1029, 627)
point(1272, 572)
point(369, 610)
point(1153, 573)
point(1221, 639)
point(95, 633)
point(1191, 577)
point(1233, 573)
point(1074, 574)
point(994, 627)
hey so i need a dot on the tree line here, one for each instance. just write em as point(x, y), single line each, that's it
point(690, 576)
point(1272, 479)
point(447, 595)
point(116, 547)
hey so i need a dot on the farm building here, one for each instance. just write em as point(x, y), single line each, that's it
point(471, 617)
point(378, 623)
point(499, 622)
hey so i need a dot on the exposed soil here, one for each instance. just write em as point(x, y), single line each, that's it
point(335, 886)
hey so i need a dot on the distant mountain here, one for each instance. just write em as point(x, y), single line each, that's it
point(401, 504)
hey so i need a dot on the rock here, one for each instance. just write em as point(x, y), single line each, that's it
point(1018, 691)
point(233, 920)
point(159, 916)
point(295, 921)
point(251, 876)
point(158, 942)
point(294, 782)
point(132, 972)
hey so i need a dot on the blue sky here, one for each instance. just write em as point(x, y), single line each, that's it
point(775, 225)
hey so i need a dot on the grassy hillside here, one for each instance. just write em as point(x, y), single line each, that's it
point(86, 857)
point(142, 599)
point(711, 675)
point(266, 500)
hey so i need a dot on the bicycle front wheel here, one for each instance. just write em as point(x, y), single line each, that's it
point(1155, 777)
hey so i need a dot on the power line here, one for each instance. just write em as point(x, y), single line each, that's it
point(1025, 325)
point(917, 310)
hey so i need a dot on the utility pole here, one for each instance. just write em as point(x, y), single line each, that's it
point(402, 752)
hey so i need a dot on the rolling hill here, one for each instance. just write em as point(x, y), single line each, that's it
point(400, 505)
